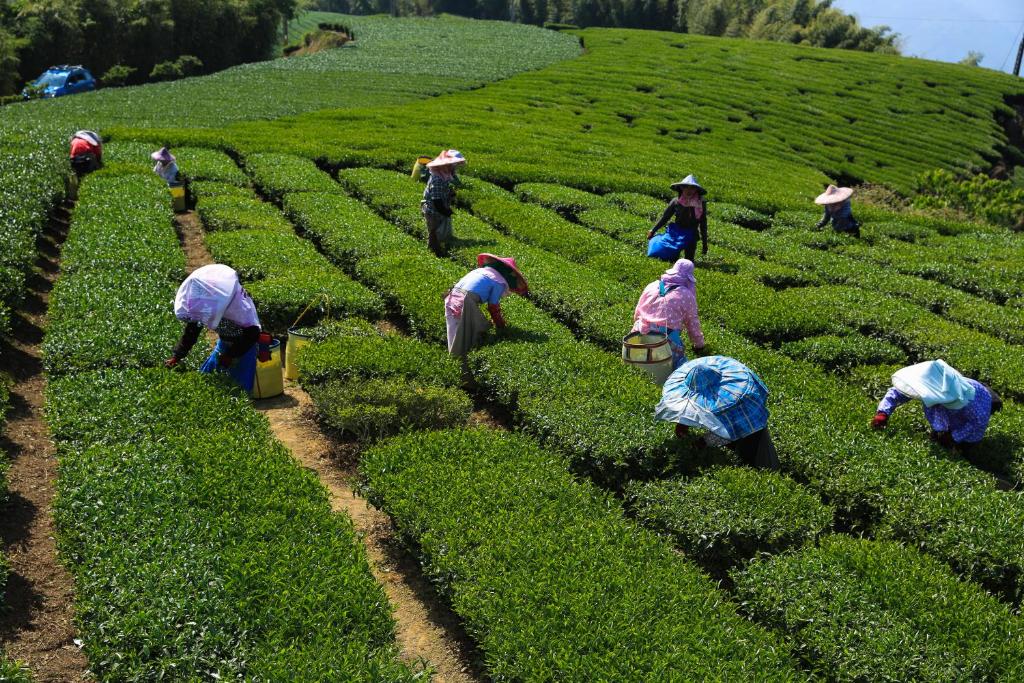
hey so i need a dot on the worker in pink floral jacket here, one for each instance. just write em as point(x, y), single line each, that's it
point(669, 304)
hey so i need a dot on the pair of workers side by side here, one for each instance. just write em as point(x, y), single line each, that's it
point(212, 297)
point(957, 408)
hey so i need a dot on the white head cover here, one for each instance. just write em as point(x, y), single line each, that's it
point(212, 293)
point(89, 136)
point(934, 382)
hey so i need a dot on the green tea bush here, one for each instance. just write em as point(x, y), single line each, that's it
point(197, 163)
point(281, 299)
point(257, 254)
point(617, 223)
point(567, 201)
point(373, 409)
point(344, 228)
point(843, 353)
point(207, 189)
point(995, 201)
point(109, 318)
point(742, 216)
point(205, 552)
point(231, 212)
point(729, 515)
point(13, 672)
point(278, 174)
point(548, 577)
point(644, 206)
point(352, 352)
point(124, 223)
point(863, 610)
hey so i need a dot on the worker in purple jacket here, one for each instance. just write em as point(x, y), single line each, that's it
point(957, 408)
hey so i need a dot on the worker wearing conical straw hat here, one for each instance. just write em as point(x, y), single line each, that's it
point(836, 201)
point(436, 205)
point(494, 278)
point(690, 214)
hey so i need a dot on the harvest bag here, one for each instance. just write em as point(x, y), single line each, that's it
point(243, 370)
point(670, 243)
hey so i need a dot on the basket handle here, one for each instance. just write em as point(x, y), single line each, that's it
point(322, 297)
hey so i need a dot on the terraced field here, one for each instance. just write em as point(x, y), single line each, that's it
point(584, 541)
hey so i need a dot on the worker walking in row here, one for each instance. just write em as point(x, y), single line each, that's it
point(86, 152)
point(689, 214)
point(726, 398)
point(495, 277)
point(668, 305)
point(836, 201)
point(957, 408)
point(212, 297)
point(438, 198)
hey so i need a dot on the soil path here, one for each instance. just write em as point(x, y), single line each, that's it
point(38, 628)
point(426, 629)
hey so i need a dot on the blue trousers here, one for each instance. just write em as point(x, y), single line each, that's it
point(243, 370)
point(667, 245)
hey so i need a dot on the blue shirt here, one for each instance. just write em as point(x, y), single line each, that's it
point(485, 283)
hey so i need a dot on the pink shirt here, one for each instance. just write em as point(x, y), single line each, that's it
point(676, 310)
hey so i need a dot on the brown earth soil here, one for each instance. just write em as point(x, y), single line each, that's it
point(38, 627)
point(427, 631)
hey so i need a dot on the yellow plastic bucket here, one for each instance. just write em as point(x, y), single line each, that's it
point(268, 374)
point(178, 198)
point(295, 342)
point(649, 352)
point(419, 167)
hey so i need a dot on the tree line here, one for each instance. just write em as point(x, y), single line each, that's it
point(806, 22)
point(132, 41)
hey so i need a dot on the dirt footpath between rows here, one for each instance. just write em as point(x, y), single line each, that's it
point(37, 628)
point(426, 629)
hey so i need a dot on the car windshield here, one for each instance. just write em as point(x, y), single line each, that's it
point(52, 78)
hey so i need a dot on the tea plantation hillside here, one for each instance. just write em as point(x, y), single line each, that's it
point(582, 540)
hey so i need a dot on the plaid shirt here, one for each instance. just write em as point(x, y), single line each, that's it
point(438, 190)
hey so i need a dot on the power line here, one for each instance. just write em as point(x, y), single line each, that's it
point(957, 21)
point(1012, 45)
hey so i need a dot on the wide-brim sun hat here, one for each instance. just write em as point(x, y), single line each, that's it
point(162, 154)
point(89, 136)
point(506, 266)
point(682, 268)
point(834, 195)
point(449, 157)
point(689, 181)
point(706, 392)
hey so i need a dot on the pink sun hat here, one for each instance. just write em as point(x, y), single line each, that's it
point(162, 154)
point(834, 195)
point(506, 266)
point(449, 157)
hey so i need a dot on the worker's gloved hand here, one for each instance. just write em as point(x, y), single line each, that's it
point(879, 421)
point(681, 430)
point(171, 362)
point(650, 234)
point(263, 356)
point(698, 350)
point(224, 360)
point(945, 439)
point(496, 315)
point(263, 342)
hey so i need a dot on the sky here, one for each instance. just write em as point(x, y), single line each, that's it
point(946, 30)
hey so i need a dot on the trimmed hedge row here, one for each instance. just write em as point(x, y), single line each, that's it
point(730, 515)
point(354, 349)
point(860, 610)
point(203, 164)
point(112, 304)
point(240, 212)
point(277, 174)
point(124, 222)
point(285, 275)
point(548, 576)
point(205, 552)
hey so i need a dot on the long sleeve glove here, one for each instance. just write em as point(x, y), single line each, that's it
point(496, 316)
point(879, 421)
